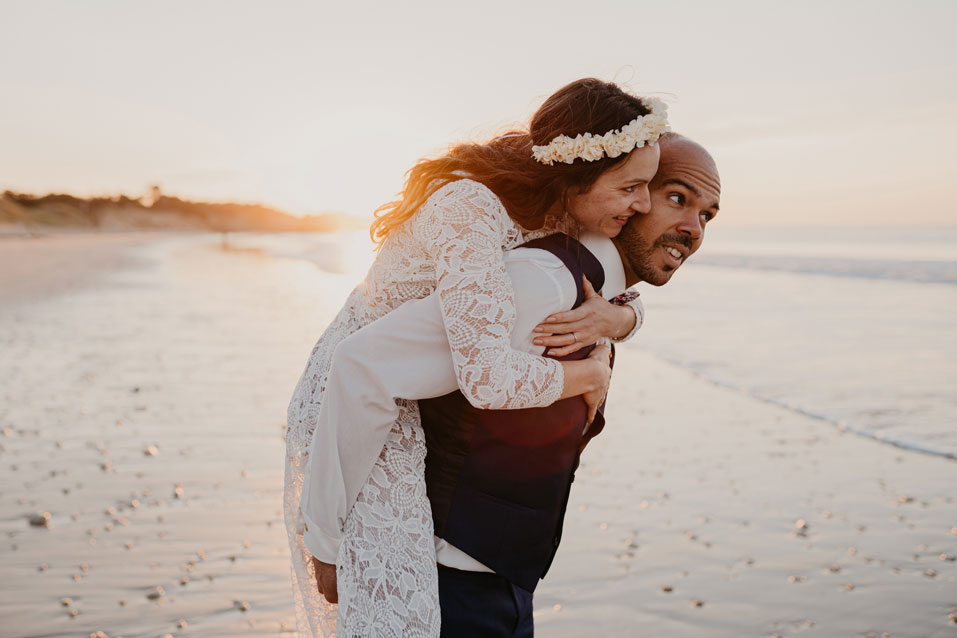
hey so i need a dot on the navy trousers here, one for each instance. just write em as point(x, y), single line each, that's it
point(483, 605)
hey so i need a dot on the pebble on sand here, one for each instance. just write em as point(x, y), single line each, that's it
point(151, 450)
point(666, 589)
point(41, 520)
point(241, 605)
point(66, 602)
point(178, 491)
point(182, 623)
point(697, 603)
point(156, 593)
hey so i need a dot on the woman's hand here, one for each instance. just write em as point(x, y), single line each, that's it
point(565, 332)
point(326, 580)
point(601, 355)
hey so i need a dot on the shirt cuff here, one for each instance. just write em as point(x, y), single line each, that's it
point(321, 545)
point(639, 309)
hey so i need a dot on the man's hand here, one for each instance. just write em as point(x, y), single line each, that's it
point(601, 356)
point(566, 332)
point(326, 580)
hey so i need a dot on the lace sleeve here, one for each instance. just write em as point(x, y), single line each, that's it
point(631, 299)
point(464, 227)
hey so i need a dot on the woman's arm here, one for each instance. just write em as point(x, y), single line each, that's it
point(464, 227)
point(595, 319)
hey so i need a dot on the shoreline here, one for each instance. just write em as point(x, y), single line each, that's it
point(40, 266)
point(841, 426)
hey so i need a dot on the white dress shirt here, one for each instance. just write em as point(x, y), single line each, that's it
point(406, 355)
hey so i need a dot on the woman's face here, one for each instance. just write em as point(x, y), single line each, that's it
point(617, 194)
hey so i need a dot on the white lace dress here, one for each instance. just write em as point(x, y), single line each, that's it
point(386, 576)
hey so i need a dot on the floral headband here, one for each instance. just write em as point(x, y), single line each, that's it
point(641, 130)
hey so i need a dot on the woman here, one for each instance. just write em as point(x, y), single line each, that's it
point(446, 235)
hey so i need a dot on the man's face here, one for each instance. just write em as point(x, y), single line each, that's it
point(685, 194)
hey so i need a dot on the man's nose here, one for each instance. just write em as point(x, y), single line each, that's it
point(642, 203)
point(691, 225)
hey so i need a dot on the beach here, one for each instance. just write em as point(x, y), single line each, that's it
point(144, 385)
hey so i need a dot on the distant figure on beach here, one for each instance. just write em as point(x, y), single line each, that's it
point(455, 228)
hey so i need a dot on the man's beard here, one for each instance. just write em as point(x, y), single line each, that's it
point(640, 254)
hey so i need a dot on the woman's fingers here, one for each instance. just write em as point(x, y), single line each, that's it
point(564, 339)
point(578, 327)
point(567, 316)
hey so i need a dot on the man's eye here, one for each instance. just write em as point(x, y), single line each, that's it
point(629, 189)
point(707, 217)
point(677, 198)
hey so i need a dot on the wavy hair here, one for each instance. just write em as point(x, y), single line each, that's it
point(527, 188)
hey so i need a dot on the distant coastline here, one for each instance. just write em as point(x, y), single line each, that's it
point(22, 213)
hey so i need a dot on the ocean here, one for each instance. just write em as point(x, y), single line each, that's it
point(851, 325)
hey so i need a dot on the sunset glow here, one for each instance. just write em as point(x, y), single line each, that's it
point(817, 113)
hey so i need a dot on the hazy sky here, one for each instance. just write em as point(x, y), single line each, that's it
point(817, 112)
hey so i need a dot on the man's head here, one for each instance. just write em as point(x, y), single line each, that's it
point(685, 194)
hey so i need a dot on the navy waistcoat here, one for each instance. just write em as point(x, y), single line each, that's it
point(498, 480)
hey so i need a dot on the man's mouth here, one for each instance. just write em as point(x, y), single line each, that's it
point(622, 219)
point(673, 256)
point(675, 248)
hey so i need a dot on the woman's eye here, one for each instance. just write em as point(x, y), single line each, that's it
point(677, 198)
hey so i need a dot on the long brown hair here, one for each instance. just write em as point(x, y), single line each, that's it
point(527, 188)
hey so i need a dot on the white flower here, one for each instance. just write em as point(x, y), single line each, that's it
point(654, 104)
point(590, 147)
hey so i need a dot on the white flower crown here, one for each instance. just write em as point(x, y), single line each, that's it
point(641, 130)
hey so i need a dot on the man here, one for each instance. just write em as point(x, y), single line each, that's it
point(498, 488)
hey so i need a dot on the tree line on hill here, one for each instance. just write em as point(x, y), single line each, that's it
point(163, 212)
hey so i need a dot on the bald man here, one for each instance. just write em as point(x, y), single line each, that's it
point(405, 355)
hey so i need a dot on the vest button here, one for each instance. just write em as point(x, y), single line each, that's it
point(556, 541)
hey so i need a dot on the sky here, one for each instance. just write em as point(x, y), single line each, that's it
point(818, 113)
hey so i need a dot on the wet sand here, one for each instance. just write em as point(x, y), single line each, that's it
point(142, 406)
